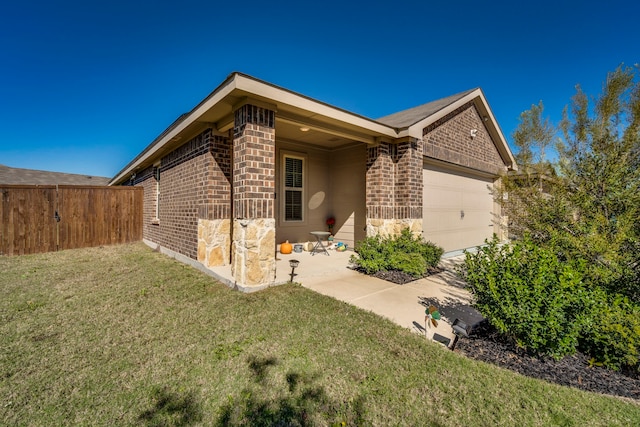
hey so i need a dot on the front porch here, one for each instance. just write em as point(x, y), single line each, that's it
point(309, 268)
point(286, 184)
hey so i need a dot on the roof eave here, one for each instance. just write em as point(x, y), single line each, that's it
point(176, 128)
point(237, 82)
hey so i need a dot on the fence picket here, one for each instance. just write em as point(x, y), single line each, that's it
point(89, 216)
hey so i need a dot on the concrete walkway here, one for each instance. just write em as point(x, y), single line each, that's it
point(403, 304)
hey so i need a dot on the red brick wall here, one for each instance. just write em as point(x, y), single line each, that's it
point(380, 182)
point(394, 180)
point(254, 163)
point(216, 199)
point(408, 180)
point(146, 180)
point(194, 183)
point(449, 139)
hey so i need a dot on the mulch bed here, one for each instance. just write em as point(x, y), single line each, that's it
point(487, 345)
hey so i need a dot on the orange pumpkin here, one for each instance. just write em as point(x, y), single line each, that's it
point(285, 248)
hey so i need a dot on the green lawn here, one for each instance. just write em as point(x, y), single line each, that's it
point(123, 335)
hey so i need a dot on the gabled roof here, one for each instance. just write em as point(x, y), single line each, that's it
point(17, 176)
point(297, 110)
point(404, 119)
point(412, 121)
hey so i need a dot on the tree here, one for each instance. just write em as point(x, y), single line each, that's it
point(571, 280)
point(586, 203)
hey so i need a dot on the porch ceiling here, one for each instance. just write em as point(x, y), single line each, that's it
point(319, 130)
point(308, 135)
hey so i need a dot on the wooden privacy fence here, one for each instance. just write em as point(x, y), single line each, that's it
point(46, 218)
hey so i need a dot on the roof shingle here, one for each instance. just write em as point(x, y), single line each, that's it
point(16, 176)
point(406, 118)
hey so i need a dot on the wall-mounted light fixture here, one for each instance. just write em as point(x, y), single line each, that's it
point(304, 129)
point(473, 133)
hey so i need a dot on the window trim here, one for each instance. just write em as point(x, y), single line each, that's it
point(284, 188)
point(156, 176)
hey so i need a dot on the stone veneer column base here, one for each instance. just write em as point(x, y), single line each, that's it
point(393, 227)
point(254, 248)
point(214, 242)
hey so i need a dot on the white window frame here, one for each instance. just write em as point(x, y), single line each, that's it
point(156, 175)
point(284, 188)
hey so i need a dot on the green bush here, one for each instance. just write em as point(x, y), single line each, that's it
point(531, 295)
point(527, 293)
point(411, 263)
point(405, 252)
point(612, 336)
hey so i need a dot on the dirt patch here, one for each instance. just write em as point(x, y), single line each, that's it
point(487, 345)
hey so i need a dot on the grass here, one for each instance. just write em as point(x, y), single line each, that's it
point(122, 335)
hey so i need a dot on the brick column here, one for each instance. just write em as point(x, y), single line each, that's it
point(379, 188)
point(394, 188)
point(253, 262)
point(409, 185)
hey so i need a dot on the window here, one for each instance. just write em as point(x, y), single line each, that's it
point(156, 174)
point(293, 188)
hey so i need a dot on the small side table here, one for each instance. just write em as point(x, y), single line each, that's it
point(319, 247)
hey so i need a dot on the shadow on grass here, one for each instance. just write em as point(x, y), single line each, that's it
point(302, 403)
point(172, 409)
point(259, 367)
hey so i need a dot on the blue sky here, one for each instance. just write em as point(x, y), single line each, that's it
point(85, 86)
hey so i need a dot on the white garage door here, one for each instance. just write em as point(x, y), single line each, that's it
point(458, 208)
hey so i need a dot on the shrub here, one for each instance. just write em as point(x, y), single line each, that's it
point(411, 263)
point(527, 293)
point(405, 252)
point(612, 336)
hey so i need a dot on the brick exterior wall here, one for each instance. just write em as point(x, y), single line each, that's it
point(218, 205)
point(394, 180)
point(380, 181)
point(394, 188)
point(408, 180)
point(449, 139)
point(194, 184)
point(254, 162)
point(146, 180)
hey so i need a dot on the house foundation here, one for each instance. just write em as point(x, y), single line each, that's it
point(214, 242)
point(393, 227)
point(253, 248)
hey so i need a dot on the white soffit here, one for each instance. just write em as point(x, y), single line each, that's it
point(315, 108)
